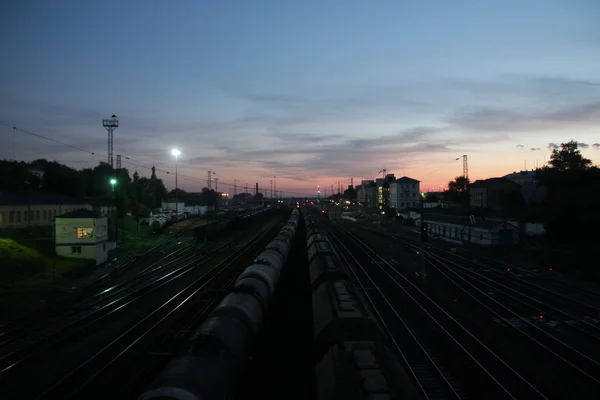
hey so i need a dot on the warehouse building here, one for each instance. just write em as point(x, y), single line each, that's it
point(486, 232)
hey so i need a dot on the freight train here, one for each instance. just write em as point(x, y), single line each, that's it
point(159, 222)
point(353, 360)
point(215, 358)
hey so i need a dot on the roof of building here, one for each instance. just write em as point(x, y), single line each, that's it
point(81, 214)
point(516, 174)
point(406, 179)
point(485, 182)
point(36, 198)
point(464, 220)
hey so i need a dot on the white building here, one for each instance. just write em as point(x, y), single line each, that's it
point(486, 232)
point(174, 205)
point(405, 193)
point(82, 234)
point(35, 208)
point(531, 191)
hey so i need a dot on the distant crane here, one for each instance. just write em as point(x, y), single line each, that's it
point(383, 172)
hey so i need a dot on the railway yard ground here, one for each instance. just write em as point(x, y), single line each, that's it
point(535, 334)
point(123, 327)
point(35, 292)
point(359, 312)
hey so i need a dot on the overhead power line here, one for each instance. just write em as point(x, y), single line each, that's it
point(47, 138)
point(128, 160)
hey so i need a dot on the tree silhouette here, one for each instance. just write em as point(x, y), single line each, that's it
point(569, 158)
point(459, 184)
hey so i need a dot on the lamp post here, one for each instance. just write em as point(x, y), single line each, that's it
point(113, 182)
point(176, 154)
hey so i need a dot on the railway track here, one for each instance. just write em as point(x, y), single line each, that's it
point(571, 349)
point(436, 347)
point(189, 304)
point(548, 337)
point(551, 280)
point(104, 304)
point(90, 329)
point(138, 258)
point(569, 307)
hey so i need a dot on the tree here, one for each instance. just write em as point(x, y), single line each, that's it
point(431, 198)
point(459, 184)
point(458, 189)
point(569, 158)
point(15, 176)
point(59, 178)
point(350, 193)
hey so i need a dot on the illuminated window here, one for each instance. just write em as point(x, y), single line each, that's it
point(85, 233)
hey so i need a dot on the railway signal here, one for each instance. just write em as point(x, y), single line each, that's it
point(424, 232)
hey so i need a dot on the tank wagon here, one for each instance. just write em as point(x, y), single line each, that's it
point(217, 353)
point(214, 228)
point(352, 359)
point(159, 222)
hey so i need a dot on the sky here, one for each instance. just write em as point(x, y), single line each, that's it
point(313, 92)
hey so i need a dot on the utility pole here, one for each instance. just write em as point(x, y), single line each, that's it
point(235, 181)
point(118, 161)
point(176, 154)
point(209, 179)
point(275, 183)
point(424, 235)
point(110, 125)
point(271, 182)
point(217, 196)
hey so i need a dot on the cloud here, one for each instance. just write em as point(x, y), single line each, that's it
point(596, 146)
point(498, 119)
point(351, 131)
point(583, 145)
point(553, 146)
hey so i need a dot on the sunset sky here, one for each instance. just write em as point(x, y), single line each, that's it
point(311, 91)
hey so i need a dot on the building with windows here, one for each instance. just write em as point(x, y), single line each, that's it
point(368, 194)
point(405, 193)
point(82, 234)
point(173, 205)
point(492, 193)
point(530, 189)
point(486, 232)
point(22, 210)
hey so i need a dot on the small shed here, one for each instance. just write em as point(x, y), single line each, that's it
point(82, 234)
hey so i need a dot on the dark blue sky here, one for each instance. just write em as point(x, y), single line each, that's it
point(311, 91)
